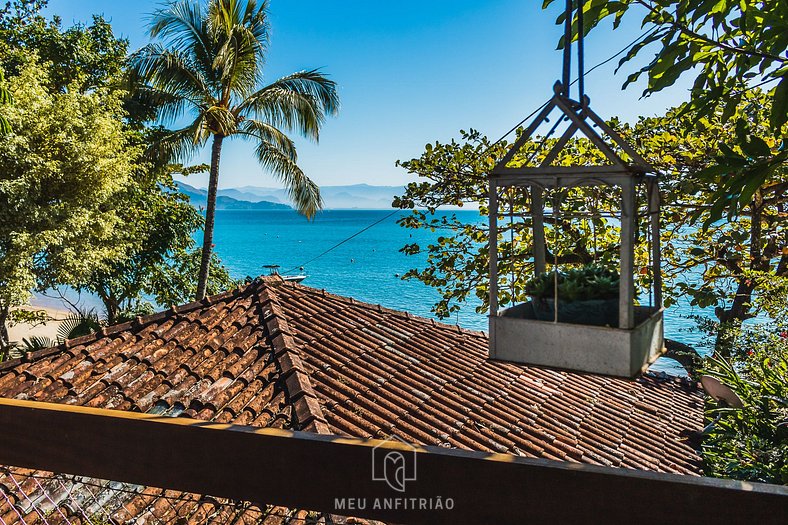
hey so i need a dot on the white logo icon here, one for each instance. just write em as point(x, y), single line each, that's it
point(395, 467)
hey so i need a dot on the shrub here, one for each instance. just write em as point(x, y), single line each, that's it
point(751, 443)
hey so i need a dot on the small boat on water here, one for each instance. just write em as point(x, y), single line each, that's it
point(273, 269)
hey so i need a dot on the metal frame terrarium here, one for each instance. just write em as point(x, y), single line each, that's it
point(629, 345)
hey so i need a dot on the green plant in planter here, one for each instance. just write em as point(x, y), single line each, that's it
point(586, 283)
point(586, 295)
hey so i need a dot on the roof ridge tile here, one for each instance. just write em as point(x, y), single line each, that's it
point(306, 406)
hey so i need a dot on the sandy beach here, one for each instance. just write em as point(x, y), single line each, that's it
point(48, 329)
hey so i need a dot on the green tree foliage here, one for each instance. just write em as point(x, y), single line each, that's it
point(751, 443)
point(5, 98)
point(211, 66)
point(159, 224)
point(176, 282)
point(61, 167)
point(738, 268)
point(729, 47)
point(83, 57)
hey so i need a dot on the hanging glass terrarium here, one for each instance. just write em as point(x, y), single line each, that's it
point(609, 334)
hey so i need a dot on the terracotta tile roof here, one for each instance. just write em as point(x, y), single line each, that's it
point(378, 371)
point(276, 354)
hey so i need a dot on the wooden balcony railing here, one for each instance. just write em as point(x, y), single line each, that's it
point(334, 475)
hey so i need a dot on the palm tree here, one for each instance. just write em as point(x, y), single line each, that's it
point(211, 65)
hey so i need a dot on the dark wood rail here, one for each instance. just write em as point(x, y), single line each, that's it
point(315, 472)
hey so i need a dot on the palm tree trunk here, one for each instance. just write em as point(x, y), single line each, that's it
point(210, 214)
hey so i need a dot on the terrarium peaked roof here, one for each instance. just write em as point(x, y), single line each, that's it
point(276, 354)
point(582, 120)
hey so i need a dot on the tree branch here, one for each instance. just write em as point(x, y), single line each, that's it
point(734, 49)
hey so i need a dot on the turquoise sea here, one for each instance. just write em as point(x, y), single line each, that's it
point(368, 267)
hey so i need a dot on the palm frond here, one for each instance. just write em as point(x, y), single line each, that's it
point(304, 193)
point(300, 101)
point(170, 73)
point(241, 30)
point(256, 19)
point(226, 16)
point(180, 144)
point(237, 63)
point(37, 342)
point(181, 25)
point(260, 130)
point(162, 106)
point(78, 324)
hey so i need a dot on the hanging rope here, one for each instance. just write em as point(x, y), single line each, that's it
point(556, 217)
point(648, 254)
point(568, 37)
point(580, 54)
point(511, 241)
point(567, 47)
point(594, 213)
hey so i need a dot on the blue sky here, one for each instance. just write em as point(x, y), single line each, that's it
point(409, 72)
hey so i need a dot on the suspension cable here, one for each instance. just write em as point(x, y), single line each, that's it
point(340, 243)
point(580, 53)
point(642, 36)
point(511, 241)
point(567, 47)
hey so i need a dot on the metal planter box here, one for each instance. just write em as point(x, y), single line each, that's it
point(515, 335)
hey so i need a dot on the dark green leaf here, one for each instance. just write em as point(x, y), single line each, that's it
point(779, 114)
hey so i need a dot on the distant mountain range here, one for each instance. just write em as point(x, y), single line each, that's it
point(360, 196)
point(198, 198)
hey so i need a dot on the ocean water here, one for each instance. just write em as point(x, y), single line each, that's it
point(368, 267)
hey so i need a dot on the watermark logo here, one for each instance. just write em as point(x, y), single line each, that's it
point(395, 467)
